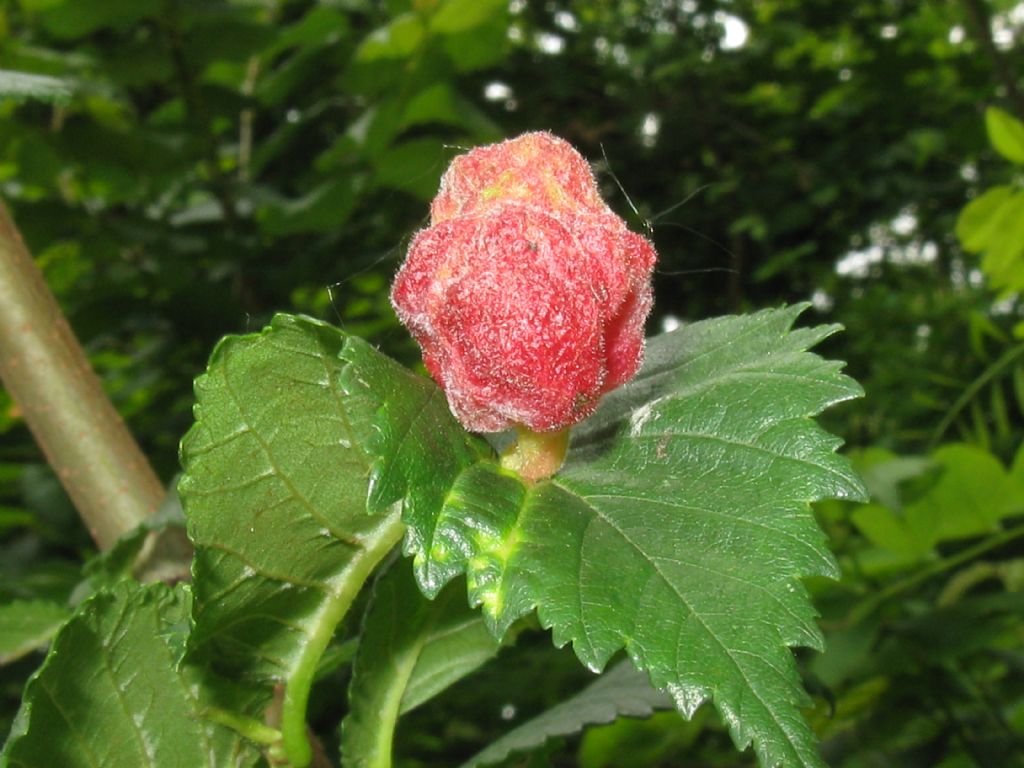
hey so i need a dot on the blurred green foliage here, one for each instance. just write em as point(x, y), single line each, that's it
point(196, 165)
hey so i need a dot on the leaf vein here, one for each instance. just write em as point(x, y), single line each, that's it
point(699, 617)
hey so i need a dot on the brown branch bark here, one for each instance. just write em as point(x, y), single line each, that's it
point(45, 370)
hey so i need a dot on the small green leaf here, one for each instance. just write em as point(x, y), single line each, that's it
point(413, 166)
point(402, 36)
point(972, 495)
point(71, 20)
point(111, 692)
point(158, 549)
point(479, 47)
point(419, 449)
point(678, 528)
point(324, 208)
point(454, 16)
point(275, 489)
point(441, 103)
point(410, 650)
point(890, 531)
point(21, 85)
point(620, 692)
point(26, 626)
point(459, 644)
point(1006, 134)
point(979, 222)
point(885, 473)
point(1003, 261)
point(321, 26)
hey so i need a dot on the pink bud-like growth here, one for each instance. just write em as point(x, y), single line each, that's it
point(527, 294)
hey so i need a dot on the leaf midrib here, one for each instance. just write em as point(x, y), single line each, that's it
point(728, 652)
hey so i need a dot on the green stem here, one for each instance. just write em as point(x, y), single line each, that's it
point(254, 730)
point(402, 665)
point(296, 696)
point(47, 374)
point(376, 702)
point(968, 394)
point(869, 606)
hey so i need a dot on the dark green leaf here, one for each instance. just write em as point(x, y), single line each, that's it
point(275, 491)
point(454, 16)
point(679, 527)
point(111, 693)
point(28, 625)
point(443, 104)
point(620, 692)
point(414, 166)
point(72, 19)
point(419, 447)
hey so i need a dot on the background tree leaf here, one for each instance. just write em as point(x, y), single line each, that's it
point(982, 220)
point(1006, 134)
point(275, 491)
point(112, 693)
point(679, 527)
point(972, 494)
point(622, 691)
point(26, 625)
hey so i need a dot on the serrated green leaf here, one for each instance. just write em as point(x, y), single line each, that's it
point(110, 693)
point(1006, 134)
point(620, 692)
point(419, 448)
point(679, 527)
point(27, 625)
point(22, 85)
point(410, 649)
point(275, 489)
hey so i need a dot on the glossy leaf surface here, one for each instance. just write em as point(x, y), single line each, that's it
point(111, 692)
point(275, 490)
point(679, 527)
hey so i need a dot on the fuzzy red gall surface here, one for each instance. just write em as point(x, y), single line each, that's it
point(526, 293)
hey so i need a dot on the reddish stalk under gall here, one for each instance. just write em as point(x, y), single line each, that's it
point(527, 294)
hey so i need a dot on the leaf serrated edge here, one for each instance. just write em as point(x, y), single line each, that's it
point(346, 584)
point(689, 698)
